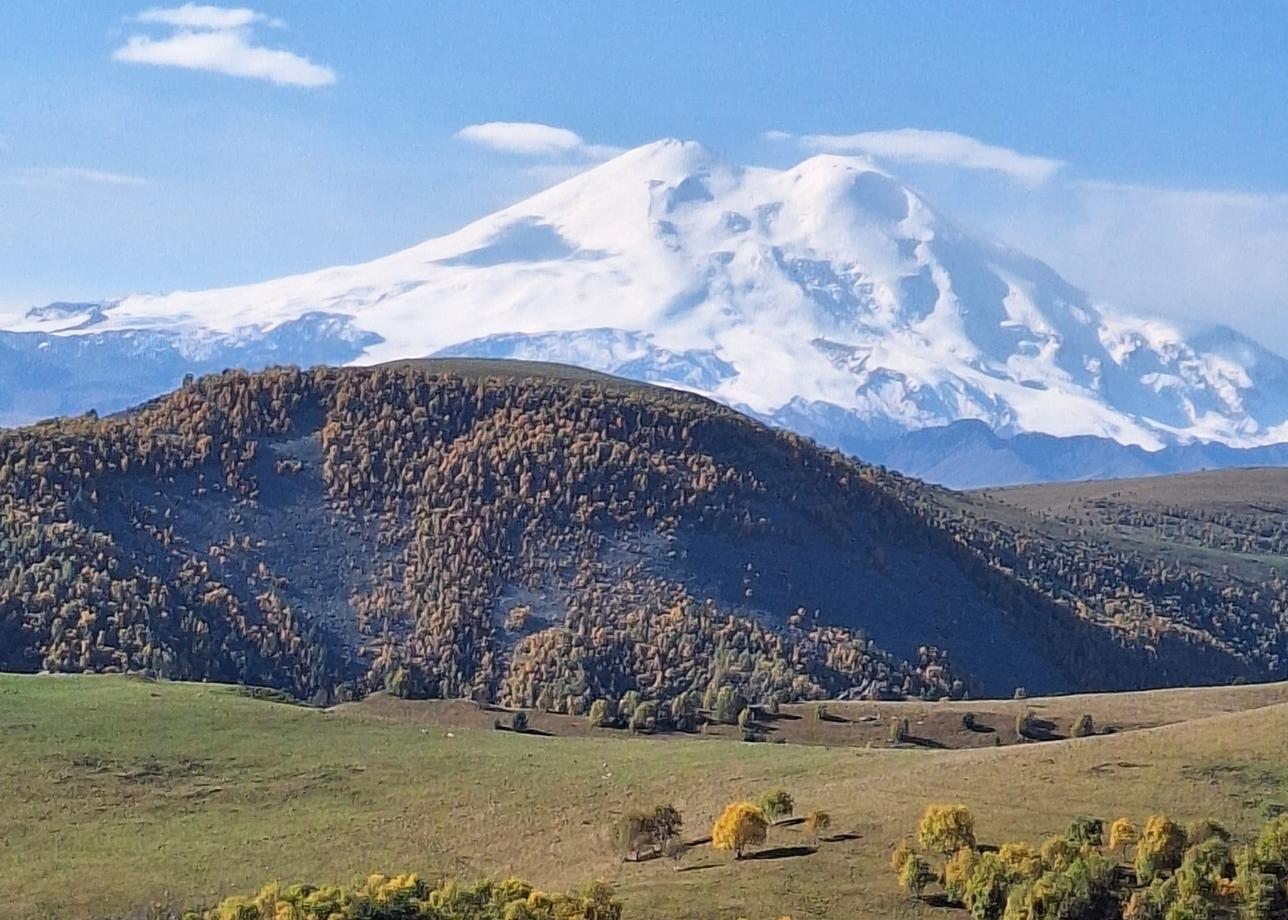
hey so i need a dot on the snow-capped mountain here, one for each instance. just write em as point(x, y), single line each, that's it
point(827, 298)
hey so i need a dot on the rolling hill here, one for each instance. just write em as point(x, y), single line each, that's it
point(542, 537)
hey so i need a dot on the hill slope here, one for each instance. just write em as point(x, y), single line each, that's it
point(208, 793)
point(827, 298)
point(461, 529)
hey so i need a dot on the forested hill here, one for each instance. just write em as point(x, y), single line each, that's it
point(538, 536)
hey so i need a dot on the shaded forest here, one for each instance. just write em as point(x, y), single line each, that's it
point(528, 536)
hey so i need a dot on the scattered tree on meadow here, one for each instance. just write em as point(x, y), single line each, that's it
point(599, 715)
point(915, 875)
point(740, 825)
point(816, 825)
point(777, 804)
point(946, 829)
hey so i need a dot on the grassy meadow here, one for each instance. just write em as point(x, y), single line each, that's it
point(119, 795)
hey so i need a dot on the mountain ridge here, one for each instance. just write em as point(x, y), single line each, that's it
point(827, 298)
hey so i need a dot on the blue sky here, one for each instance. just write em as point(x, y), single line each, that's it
point(1141, 148)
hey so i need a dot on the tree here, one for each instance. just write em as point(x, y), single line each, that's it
point(632, 833)
point(729, 703)
point(1161, 848)
point(1086, 832)
point(1271, 848)
point(741, 825)
point(900, 731)
point(644, 718)
point(915, 875)
point(946, 829)
point(744, 718)
point(598, 716)
point(519, 720)
point(684, 715)
point(637, 832)
point(1122, 834)
point(816, 824)
point(777, 804)
point(1083, 727)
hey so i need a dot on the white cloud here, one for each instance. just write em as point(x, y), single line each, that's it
point(196, 16)
point(69, 175)
point(533, 139)
point(526, 138)
point(944, 148)
point(219, 40)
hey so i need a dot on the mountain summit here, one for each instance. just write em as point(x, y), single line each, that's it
point(828, 298)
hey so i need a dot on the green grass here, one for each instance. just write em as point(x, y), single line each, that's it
point(118, 794)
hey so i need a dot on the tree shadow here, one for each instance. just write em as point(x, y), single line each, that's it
point(777, 717)
point(939, 899)
point(917, 741)
point(841, 838)
point(698, 868)
point(788, 822)
point(793, 852)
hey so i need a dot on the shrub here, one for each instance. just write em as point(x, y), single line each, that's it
point(777, 804)
point(519, 720)
point(946, 828)
point(739, 826)
point(1024, 727)
point(816, 824)
point(1205, 830)
point(969, 723)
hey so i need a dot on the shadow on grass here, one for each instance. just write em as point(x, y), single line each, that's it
point(698, 868)
point(841, 838)
point(781, 853)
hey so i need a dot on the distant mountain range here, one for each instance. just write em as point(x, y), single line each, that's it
point(827, 298)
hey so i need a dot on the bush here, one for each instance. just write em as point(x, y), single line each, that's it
point(519, 720)
point(946, 829)
point(969, 724)
point(816, 824)
point(1083, 727)
point(406, 897)
point(777, 804)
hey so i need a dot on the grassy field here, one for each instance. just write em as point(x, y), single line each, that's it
point(117, 794)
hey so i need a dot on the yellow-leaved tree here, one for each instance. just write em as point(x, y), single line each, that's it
point(946, 829)
point(1122, 834)
point(742, 824)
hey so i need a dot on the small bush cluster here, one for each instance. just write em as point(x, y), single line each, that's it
point(407, 897)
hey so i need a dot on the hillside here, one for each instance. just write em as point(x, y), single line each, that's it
point(828, 298)
point(543, 538)
point(123, 794)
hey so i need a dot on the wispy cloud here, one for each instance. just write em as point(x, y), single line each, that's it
point(197, 16)
point(944, 148)
point(533, 139)
point(219, 40)
point(48, 176)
